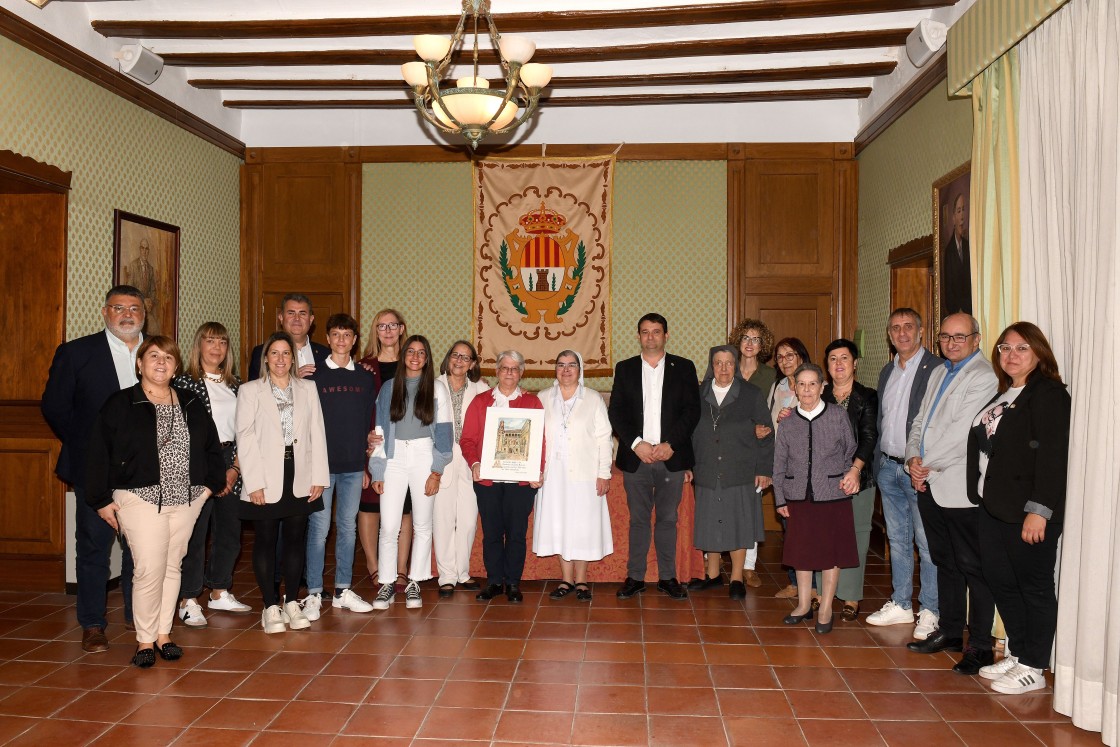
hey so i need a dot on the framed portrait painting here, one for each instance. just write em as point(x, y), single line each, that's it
point(952, 260)
point(146, 255)
point(512, 442)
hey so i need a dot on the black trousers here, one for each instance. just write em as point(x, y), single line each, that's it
point(1021, 577)
point(504, 508)
point(953, 535)
point(219, 521)
point(268, 531)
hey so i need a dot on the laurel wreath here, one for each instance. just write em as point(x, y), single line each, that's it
point(581, 263)
point(507, 273)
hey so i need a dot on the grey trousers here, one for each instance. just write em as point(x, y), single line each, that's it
point(653, 487)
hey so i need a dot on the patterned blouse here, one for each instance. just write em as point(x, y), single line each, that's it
point(284, 402)
point(174, 442)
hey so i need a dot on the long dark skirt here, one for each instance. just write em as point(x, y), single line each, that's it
point(820, 536)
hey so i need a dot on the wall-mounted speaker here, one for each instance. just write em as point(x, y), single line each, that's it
point(140, 63)
point(924, 41)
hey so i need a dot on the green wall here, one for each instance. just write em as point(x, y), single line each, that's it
point(896, 175)
point(123, 157)
point(670, 252)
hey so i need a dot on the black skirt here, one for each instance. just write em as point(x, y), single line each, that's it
point(820, 536)
point(288, 505)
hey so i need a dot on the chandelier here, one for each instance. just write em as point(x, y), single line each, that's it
point(472, 108)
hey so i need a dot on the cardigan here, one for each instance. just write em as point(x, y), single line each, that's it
point(863, 413)
point(123, 452)
point(474, 423)
point(443, 432)
point(588, 434)
point(198, 387)
point(819, 450)
point(730, 454)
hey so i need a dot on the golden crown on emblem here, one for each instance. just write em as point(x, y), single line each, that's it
point(542, 221)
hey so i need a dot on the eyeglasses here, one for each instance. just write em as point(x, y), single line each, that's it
point(753, 340)
point(787, 356)
point(465, 357)
point(120, 309)
point(723, 364)
point(569, 366)
point(959, 339)
point(1022, 348)
point(509, 370)
point(386, 326)
point(415, 353)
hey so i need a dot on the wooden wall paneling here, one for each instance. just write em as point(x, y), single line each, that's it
point(847, 247)
point(252, 305)
point(790, 207)
point(805, 316)
point(736, 239)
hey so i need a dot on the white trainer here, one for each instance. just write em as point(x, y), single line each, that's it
point(191, 614)
point(891, 614)
point(294, 617)
point(412, 598)
point(272, 620)
point(384, 597)
point(927, 624)
point(1020, 679)
point(1000, 668)
point(312, 604)
point(348, 600)
point(227, 602)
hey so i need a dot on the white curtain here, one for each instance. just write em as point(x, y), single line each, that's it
point(1069, 122)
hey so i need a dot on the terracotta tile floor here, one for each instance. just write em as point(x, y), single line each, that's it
point(707, 671)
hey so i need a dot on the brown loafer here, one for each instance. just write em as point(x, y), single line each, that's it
point(787, 593)
point(752, 579)
point(94, 641)
point(850, 613)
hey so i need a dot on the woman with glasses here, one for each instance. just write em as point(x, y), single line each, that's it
point(414, 412)
point(456, 509)
point(571, 518)
point(380, 358)
point(504, 507)
point(1018, 449)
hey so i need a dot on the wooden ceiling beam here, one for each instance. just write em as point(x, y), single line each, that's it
point(579, 20)
point(770, 75)
point(817, 94)
point(660, 50)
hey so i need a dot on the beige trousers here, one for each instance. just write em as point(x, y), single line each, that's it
point(455, 521)
point(158, 539)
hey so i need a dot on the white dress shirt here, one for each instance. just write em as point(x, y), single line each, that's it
point(895, 399)
point(124, 360)
point(653, 381)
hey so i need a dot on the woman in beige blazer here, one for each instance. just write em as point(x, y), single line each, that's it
point(282, 448)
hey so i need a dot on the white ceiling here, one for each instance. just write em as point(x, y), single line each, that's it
point(837, 119)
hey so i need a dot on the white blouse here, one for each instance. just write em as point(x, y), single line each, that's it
point(223, 409)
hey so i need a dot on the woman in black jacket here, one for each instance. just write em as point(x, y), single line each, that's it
point(862, 403)
point(1018, 450)
point(154, 458)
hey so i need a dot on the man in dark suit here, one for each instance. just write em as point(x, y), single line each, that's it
point(956, 269)
point(653, 410)
point(84, 373)
point(902, 385)
point(296, 317)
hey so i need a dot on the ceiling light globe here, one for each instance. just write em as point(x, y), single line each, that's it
point(517, 49)
point(535, 75)
point(415, 74)
point(431, 47)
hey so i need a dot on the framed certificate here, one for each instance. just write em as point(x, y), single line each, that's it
point(512, 442)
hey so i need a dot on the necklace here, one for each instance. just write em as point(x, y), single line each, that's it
point(162, 397)
point(716, 412)
point(566, 410)
point(214, 377)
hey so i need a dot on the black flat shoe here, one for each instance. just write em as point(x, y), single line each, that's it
point(170, 652)
point(797, 619)
point(737, 590)
point(936, 642)
point(583, 592)
point(446, 591)
point(489, 593)
point(826, 627)
point(630, 587)
point(673, 588)
point(469, 585)
point(703, 584)
point(144, 658)
point(561, 591)
point(513, 594)
point(972, 660)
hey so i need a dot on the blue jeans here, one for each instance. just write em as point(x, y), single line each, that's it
point(94, 539)
point(904, 530)
point(347, 487)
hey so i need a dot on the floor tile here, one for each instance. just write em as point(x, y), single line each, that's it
point(598, 729)
point(686, 731)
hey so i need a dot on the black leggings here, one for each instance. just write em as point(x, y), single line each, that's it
point(294, 551)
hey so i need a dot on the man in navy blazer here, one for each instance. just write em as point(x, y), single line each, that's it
point(84, 373)
point(653, 410)
point(902, 385)
point(296, 317)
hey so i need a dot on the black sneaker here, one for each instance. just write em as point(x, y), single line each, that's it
point(972, 660)
point(673, 588)
point(630, 587)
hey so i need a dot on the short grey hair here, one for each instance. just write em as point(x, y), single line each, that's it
point(515, 356)
point(812, 368)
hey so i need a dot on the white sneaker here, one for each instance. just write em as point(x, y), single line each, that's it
point(191, 614)
point(226, 602)
point(312, 603)
point(1020, 679)
point(348, 600)
point(1000, 668)
point(293, 615)
point(384, 597)
point(927, 624)
point(272, 620)
point(891, 614)
point(412, 598)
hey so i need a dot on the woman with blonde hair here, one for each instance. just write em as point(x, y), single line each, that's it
point(210, 375)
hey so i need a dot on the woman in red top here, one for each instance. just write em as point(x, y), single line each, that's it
point(503, 506)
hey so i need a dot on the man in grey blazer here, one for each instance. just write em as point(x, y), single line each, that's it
point(936, 454)
point(902, 386)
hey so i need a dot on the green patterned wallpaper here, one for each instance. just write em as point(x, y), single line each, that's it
point(896, 176)
point(125, 157)
point(670, 251)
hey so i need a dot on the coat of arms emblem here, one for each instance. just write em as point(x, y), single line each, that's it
point(542, 264)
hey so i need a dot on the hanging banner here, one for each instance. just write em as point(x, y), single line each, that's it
point(542, 252)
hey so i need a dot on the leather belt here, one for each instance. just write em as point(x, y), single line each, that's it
point(896, 460)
